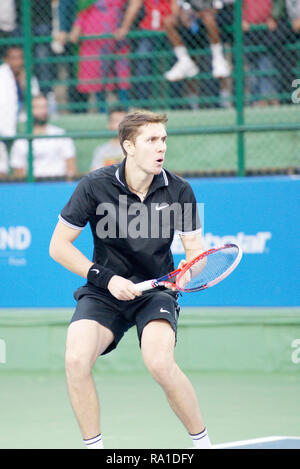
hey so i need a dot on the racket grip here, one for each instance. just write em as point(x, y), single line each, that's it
point(143, 286)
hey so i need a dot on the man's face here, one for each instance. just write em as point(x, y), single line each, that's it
point(149, 148)
point(114, 120)
point(40, 109)
point(15, 60)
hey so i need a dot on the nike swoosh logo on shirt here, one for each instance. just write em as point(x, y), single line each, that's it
point(164, 311)
point(95, 270)
point(160, 207)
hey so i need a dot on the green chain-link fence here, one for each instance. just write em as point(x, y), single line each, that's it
point(226, 72)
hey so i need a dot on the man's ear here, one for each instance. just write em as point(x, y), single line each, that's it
point(128, 147)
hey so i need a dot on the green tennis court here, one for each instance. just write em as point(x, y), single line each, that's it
point(243, 362)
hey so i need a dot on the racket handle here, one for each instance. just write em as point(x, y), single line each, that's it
point(143, 286)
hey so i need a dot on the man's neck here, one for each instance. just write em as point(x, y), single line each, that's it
point(40, 129)
point(137, 179)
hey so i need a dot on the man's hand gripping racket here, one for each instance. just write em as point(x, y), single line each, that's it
point(204, 271)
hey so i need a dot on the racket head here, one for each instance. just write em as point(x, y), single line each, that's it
point(209, 268)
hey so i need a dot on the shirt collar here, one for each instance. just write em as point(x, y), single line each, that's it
point(159, 180)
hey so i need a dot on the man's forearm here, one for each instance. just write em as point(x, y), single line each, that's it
point(66, 254)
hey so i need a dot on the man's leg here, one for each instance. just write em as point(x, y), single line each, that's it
point(157, 346)
point(185, 66)
point(220, 66)
point(86, 340)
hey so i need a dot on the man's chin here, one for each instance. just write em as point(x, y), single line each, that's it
point(157, 171)
point(158, 168)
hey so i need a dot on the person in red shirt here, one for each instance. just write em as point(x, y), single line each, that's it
point(165, 15)
point(155, 14)
point(257, 14)
point(102, 17)
point(204, 10)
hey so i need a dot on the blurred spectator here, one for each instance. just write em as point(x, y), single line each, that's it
point(154, 15)
point(293, 10)
point(7, 21)
point(12, 90)
point(194, 34)
point(110, 152)
point(166, 15)
point(41, 23)
point(262, 84)
point(63, 12)
point(10, 71)
point(285, 39)
point(52, 157)
point(184, 66)
point(67, 10)
point(225, 19)
point(102, 17)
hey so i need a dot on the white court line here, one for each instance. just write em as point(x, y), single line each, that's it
point(254, 441)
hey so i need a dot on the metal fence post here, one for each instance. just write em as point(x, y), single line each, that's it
point(28, 73)
point(239, 84)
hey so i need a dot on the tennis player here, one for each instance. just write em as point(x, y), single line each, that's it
point(132, 209)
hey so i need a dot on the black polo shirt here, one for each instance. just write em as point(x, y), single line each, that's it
point(132, 238)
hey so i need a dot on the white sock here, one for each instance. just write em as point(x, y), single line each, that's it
point(201, 440)
point(94, 443)
point(216, 50)
point(181, 52)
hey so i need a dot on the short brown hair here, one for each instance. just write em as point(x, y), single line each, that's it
point(129, 127)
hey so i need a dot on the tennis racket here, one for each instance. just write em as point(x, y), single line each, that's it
point(204, 271)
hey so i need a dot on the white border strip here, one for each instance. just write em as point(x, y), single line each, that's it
point(118, 177)
point(188, 233)
point(165, 177)
point(80, 228)
point(254, 441)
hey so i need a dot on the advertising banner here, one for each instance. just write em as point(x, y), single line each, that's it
point(260, 214)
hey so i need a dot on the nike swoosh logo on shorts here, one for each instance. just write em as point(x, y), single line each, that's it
point(162, 310)
point(95, 270)
point(160, 207)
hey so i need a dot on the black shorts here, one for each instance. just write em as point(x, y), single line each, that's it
point(119, 316)
point(200, 5)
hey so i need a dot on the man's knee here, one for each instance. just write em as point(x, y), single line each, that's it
point(77, 364)
point(157, 346)
point(163, 371)
point(160, 368)
point(160, 364)
point(86, 340)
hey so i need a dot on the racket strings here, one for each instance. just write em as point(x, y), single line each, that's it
point(217, 264)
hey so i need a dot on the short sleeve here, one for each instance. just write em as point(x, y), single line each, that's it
point(80, 207)
point(187, 220)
